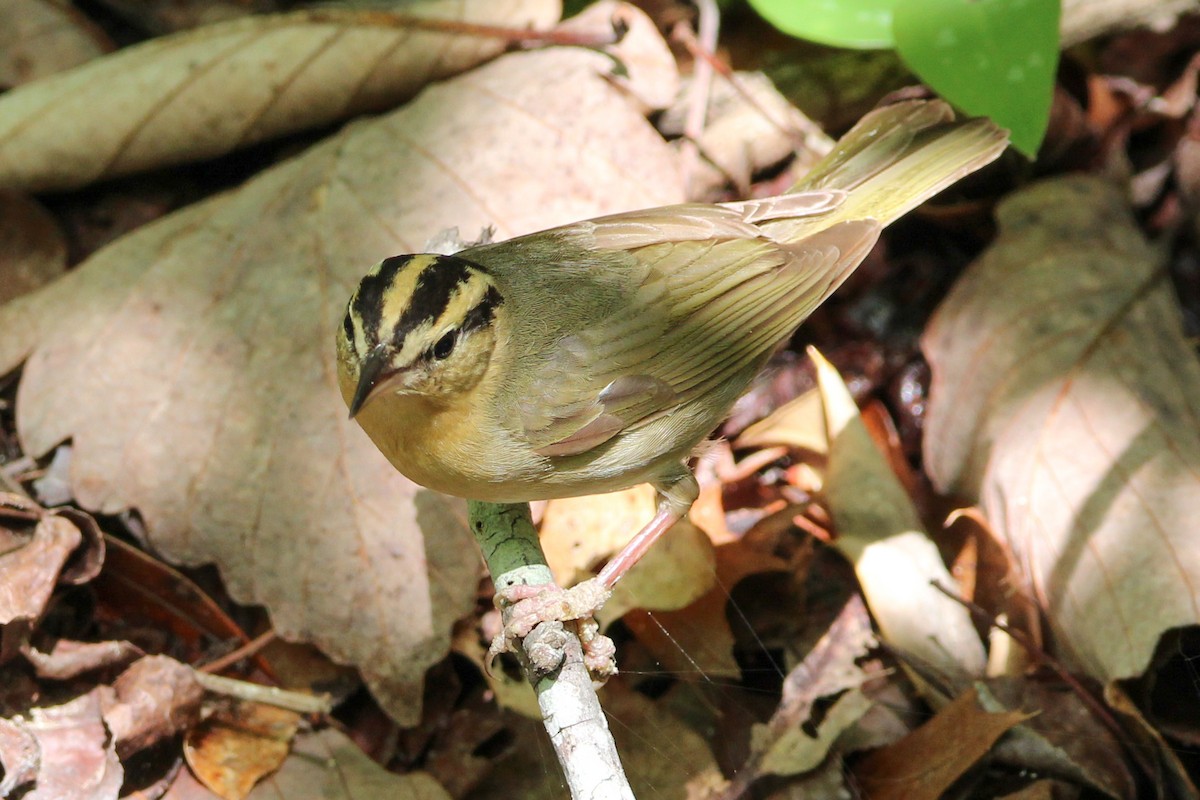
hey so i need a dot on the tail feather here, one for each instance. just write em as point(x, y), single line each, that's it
point(894, 159)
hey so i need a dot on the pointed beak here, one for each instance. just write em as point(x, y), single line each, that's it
point(368, 378)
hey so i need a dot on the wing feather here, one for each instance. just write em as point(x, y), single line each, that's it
point(708, 311)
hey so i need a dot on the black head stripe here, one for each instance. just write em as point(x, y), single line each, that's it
point(432, 294)
point(483, 312)
point(368, 300)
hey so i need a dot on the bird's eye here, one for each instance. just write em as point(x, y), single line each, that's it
point(444, 346)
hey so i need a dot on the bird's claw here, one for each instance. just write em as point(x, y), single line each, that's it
point(527, 607)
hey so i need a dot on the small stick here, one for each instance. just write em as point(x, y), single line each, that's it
point(245, 651)
point(299, 702)
point(571, 710)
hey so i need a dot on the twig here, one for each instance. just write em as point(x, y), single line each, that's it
point(299, 702)
point(245, 651)
point(570, 709)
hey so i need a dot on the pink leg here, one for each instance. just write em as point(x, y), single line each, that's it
point(633, 551)
point(529, 606)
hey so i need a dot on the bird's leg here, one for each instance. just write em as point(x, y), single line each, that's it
point(674, 500)
point(532, 605)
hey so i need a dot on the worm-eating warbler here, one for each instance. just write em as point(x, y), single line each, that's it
point(598, 355)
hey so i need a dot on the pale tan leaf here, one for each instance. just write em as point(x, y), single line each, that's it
point(880, 532)
point(329, 765)
point(1066, 399)
point(192, 361)
point(208, 91)
point(41, 37)
point(798, 423)
point(578, 533)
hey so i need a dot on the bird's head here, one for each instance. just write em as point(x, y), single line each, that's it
point(420, 325)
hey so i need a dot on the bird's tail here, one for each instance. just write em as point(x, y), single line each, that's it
point(894, 159)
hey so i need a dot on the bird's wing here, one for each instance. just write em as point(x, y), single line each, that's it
point(709, 298)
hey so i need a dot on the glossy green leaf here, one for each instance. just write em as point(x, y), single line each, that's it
point(989, 57)
point(861, 24)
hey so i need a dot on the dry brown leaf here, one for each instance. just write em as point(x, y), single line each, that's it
point(925, 763)
point(1065, 738)
point(153, 700)
point(66, 659)
point(41, 37)
point(33, 251)
point(330, 766)
point(19, 755)
point(78, 759)
point(192, 361)
point(880, 532)
point(800, 732)
point(238, 745)
point(34, 548)
point(1066, 398)
point(1160, 756)
point(205, 92)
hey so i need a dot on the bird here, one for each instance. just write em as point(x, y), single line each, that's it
point(601, 354)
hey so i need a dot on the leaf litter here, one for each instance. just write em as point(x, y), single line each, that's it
point(188, 364)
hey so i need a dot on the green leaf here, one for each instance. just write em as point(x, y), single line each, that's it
point(862, 24)
point(989, 57)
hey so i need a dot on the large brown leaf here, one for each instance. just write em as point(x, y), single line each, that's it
point(41, 37)
point(1066, 400)
point(192, 361)
point(207, 91)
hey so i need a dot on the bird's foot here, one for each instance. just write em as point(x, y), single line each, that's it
point(530, 606)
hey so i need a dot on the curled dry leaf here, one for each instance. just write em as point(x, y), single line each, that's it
point(41, 37)
point(35, 548)
point(206, 92)
point(19, 755)
point(880, 531)
point(66, 659)
point(78, 757)
point(1066, 399)
point(156, 698)
point(192, 361)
